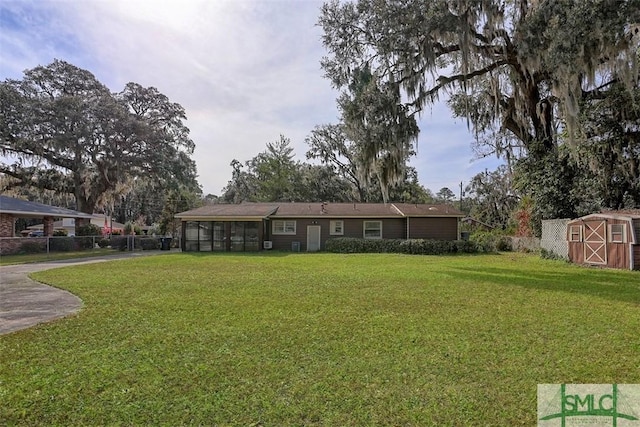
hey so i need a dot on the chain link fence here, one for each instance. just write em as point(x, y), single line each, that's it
point(57, 244)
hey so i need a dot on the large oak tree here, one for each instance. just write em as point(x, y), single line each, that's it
point(63, 130)
point(517, 70)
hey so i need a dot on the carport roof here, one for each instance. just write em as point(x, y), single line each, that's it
point(27, 209)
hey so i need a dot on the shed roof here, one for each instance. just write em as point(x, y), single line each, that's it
point(625, 214)
point(633, 213)
point(27, 209)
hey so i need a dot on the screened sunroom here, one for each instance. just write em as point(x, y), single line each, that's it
point(222, 236)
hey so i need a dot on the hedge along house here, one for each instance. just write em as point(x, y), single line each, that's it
point(307, 226)
point(608, 239)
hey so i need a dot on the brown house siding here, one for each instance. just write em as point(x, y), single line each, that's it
point(433, 228)
point(283, 242)
point(392, 228)
point(353, 227)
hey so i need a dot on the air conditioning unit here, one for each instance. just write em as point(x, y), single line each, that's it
point(267, 244)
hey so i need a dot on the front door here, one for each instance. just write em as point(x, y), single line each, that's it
point(313, 238)
point(595, 242)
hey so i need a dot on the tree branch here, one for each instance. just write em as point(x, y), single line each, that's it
point(447, 80)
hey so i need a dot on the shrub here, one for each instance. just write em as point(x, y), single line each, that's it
point(59, 233)
point(119, 242)
point(428, 247)
point(61, 244)
point(355, 245)
point(466, 247)
point(149, 243)
point(504, 244)
point(83, 242)
point(131, 228)
point(33, 247)
point(491, 241)
point(411, 246)
point(547, 254)
point(88, 230)
point(422, 247)
point(103, 243)
point(154, 230)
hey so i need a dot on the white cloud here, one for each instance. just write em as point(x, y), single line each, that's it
point(246, 71)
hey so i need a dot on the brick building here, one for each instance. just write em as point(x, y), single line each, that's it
point(12, 209)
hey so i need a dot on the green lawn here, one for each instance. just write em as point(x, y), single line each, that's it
point(323, 339)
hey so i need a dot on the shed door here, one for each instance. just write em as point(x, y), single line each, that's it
point(595, 242)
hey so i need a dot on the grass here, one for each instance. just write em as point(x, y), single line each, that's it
point(53, 256)
point(322, 339)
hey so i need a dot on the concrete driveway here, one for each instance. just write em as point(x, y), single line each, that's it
point(25, 302)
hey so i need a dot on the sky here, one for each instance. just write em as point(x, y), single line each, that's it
point(246, 72)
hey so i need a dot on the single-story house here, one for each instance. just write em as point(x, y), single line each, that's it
point(608, 239)
point(307, 226)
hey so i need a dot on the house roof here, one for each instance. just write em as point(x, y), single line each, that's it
point(27, 209)
point(317, 209)
point(413, 210)
point(230, 211)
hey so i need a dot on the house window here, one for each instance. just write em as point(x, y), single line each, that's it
point(616, 233)
point(336, 228)
point(284, 227)
point(372, 229)
point(575, 233)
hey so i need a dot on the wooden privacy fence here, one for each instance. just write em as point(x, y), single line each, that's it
point(554, 237)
